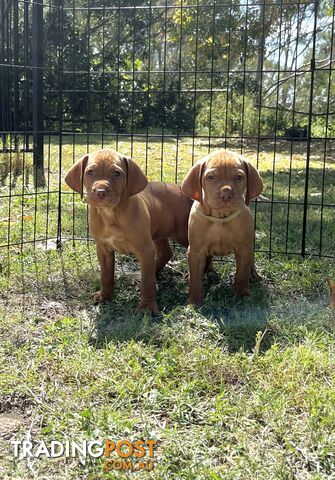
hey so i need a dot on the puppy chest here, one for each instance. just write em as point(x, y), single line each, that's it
point(219, 248)
point(117, 245)
point(116, 241)
point(218, 240)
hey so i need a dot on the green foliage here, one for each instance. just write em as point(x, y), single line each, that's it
point(139, 69)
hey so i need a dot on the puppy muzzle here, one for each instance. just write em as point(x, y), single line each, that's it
point(100, 193)
point(226, 194)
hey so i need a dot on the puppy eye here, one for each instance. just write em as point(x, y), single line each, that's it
point(116, 173)
point(210, 176)
point(239, 176)
point(89, 173)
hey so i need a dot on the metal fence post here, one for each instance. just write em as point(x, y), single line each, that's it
point(16, 121)
point(37, 59)
point(3, 124)
point(309, 134)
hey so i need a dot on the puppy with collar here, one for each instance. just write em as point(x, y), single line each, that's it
point(128, 214)
point(222, 184)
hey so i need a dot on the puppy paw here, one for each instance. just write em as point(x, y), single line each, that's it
point(152, 307)
point(196, 301)
point(242, 291)
point(100, 296)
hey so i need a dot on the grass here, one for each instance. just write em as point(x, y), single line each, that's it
point(27, 215)
point(239, 389)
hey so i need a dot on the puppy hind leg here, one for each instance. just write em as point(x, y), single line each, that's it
point(163, 254)
point(209, 265)
point(148, 289)
point(254, 275)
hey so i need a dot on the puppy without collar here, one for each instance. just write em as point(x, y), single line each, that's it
point(128, 214)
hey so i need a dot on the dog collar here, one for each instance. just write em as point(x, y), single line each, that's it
point(218, 219)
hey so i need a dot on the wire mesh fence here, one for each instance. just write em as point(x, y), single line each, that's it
point(166, 83)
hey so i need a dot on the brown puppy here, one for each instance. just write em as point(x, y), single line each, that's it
point(222, 183)
point(129, 215)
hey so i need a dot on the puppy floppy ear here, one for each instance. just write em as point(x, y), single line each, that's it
point(75, 176)
point(254, 182)
point(136, 180)
point(192, 184)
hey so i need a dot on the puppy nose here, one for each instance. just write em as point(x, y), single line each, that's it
point(226, 193)
point(100, 193)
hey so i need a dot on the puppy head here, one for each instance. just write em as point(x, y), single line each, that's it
point(220, 180)
point(107, 176)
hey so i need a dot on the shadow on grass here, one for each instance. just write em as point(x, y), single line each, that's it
point(59, 283)
point(238, 320)
point(279, 145)
point(109, 139)
point(117, 320)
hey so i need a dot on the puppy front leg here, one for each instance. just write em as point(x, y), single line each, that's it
point(196, 265)
point(244, 261)
point(148, 290)
point(107, 264)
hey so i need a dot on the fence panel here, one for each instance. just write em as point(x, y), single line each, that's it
point(166, 83)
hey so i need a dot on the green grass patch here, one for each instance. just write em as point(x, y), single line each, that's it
point(237, 389)
point(27, 215)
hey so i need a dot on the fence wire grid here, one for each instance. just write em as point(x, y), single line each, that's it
point(166, 83)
